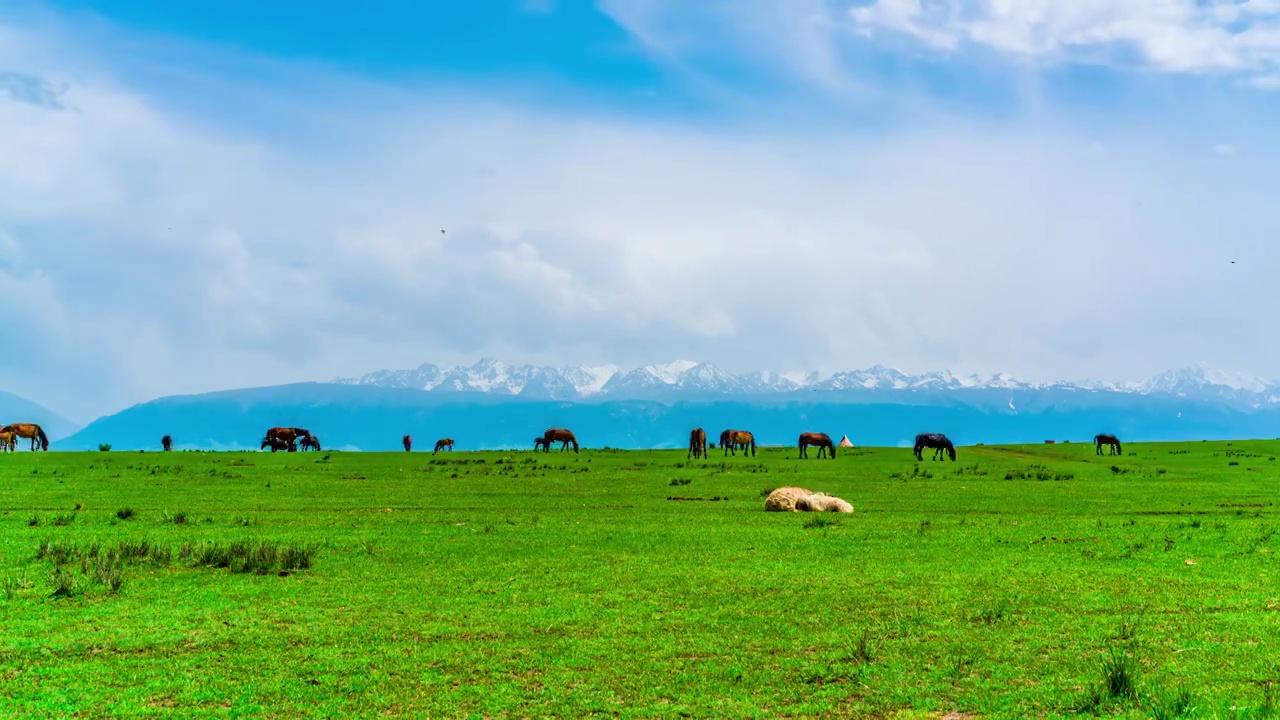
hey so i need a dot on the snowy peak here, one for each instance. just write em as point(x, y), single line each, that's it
point(1200, 375)
point(691, 378)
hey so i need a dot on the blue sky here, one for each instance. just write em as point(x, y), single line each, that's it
point(229, 194)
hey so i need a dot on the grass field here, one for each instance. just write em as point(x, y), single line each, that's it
point(1029, 581)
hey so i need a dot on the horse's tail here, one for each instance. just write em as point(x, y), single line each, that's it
point(44, 439)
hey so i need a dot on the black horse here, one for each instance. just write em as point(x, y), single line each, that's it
point(277, 444)
point(938, 442)
point(1106, 439)
point(167, 442)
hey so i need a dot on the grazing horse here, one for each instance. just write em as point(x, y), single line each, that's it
point(732, 440)
point(276, 444)
point(29, 430)
point(442, 444)
point(821, 440)
point(560, 435)
point(1106, 439)
point(540, 443)
point(939, 442)
point(697, 444)
point(166, 442)
point(8, 441)
point(310, 442)
point(287, 435)
point(408, 443)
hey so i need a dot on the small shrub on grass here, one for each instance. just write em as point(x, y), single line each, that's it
point(33, 521)
point(105, 570)
point(1120, 673)
point(178, 518)
point(65, 583)
point(64, 520)
point(124, 513)
point(104, 447)
point(863, 651)
point(246, 521)
point(56, 551)
point(244, 556)
point(990, 613)
point(1174, 705)
point(12, 585)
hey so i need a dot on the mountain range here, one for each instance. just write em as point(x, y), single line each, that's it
point(492, 405)
point(688, 380)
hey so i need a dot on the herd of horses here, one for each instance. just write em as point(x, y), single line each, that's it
point(292, 439)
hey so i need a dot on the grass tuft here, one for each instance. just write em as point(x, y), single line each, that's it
point(820, 521)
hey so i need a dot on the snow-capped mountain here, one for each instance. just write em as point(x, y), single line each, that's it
point(687, 378)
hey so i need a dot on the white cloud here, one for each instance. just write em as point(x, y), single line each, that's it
point(152, 251)
point(1169, 35)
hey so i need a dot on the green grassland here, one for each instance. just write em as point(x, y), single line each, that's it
point(1028, 581)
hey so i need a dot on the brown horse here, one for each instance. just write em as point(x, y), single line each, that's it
point(540, 443)
point(731, 440)
point(443, 443)
point(310, 442)
point(29, 430)
point(697, 444)
point(166, 442)
point(286, 434)
point(408, 443)
point(560, 435)
point(9, 441)
point(820, 440)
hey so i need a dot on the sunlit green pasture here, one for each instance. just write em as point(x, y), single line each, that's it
point(1029, 581)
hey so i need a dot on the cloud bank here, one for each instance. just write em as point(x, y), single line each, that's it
point(208, 231)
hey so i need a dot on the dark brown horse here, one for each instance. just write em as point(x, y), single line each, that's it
point(733, 440)
point(287, 435)
point(29, 430)
point(820, 440)
point(1106, 439)
point(540, 443)
point(443, 444)
point(939, 442)
point(276, 444)
point(564, 436)
point(408, 443)
point(166, 442)
point(697, 444)
point(310, 442)
point(8, 441)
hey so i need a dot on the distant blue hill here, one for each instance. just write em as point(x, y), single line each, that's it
point(14, 409)
point(363, 417)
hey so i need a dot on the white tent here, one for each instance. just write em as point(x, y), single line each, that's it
point(844, 442)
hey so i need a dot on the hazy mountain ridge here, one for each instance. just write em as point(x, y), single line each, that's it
point(689, 379)
point(15, 409)
point(351, 417)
